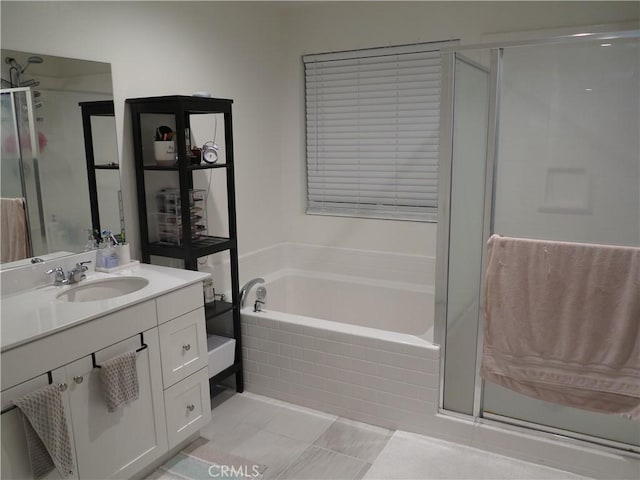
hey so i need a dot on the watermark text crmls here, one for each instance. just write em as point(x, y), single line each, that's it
point(234, 471)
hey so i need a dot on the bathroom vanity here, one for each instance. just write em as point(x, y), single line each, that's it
point(53, 335)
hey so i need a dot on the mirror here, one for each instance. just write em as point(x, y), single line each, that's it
point(43, 101)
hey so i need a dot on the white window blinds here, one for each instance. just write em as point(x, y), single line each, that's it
point(372, 130)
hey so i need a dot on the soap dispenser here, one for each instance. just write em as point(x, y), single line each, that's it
point(101, 255)
point(110, 255)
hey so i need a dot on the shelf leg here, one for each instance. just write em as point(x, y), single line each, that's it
point(239, 381)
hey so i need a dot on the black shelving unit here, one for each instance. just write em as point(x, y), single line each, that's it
point(182, 108)
point(102, 108)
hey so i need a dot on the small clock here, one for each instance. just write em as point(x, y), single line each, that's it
point(209, 152)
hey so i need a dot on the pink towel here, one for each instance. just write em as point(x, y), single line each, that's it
point(14, 243)
point(562, 323)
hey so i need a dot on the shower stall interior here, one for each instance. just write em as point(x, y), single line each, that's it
point(540, 141)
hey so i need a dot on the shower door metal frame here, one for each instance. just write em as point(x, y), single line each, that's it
point(579, 34)
point(444, 216)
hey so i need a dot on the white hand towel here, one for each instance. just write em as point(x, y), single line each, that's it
point(120, 380)
point(46, 431)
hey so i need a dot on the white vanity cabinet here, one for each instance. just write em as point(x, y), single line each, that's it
point(173, 401)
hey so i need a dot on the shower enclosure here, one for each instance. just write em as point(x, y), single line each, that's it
point(540, 141)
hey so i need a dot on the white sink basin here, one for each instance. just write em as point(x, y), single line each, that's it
point(103, 289)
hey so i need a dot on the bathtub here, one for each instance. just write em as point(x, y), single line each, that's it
point(349, 346)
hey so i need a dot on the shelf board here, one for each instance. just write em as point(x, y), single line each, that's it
point(177, 104)
point(206, 166)
point(225, 373)
point(199, 248)
point(217, 308)
point(107, 166)
point(175, 168)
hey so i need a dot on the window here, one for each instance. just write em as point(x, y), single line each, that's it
point(372, 130)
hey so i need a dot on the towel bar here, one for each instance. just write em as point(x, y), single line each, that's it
point(63, 386)
point(49, 376)
point(143, 346)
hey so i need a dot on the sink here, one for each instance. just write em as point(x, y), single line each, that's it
point(103, 289)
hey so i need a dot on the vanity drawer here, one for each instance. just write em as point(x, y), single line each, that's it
point(178, 303)
point(183, 346)
point(188, 407)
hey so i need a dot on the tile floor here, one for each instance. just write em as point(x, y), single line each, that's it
point(288, 442)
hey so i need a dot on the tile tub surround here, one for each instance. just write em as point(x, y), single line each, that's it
point(382, 378)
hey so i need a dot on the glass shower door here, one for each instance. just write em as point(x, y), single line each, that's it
point(568, 168)
point(468, 169)
point(19, 160)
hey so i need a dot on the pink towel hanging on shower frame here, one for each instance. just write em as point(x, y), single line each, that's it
point(562, 323)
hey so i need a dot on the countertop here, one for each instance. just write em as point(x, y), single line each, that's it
point(35, 313)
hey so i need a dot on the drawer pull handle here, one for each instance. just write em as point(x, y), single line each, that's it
point(186, 347)
point(63, 387)
point(191, 407)
point(78, 379)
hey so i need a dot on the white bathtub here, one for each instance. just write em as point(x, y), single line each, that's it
point(349, 346)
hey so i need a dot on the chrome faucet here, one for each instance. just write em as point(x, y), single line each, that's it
point(245, 290)
point(261, 296)
point(77, 273)
point(59, 278)
point(74, 275)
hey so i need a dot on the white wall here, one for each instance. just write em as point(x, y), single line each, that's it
point(569, 153)
point(343, 26)
point(166, 48)
point(251, 52)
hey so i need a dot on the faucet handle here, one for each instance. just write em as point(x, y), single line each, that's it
point(81, 265)
point(56, 270)
point(257, 307)
point(59, 277)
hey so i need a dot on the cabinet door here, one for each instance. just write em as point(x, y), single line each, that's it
point(184, 346)
point(120, 443)
point(15, 459)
